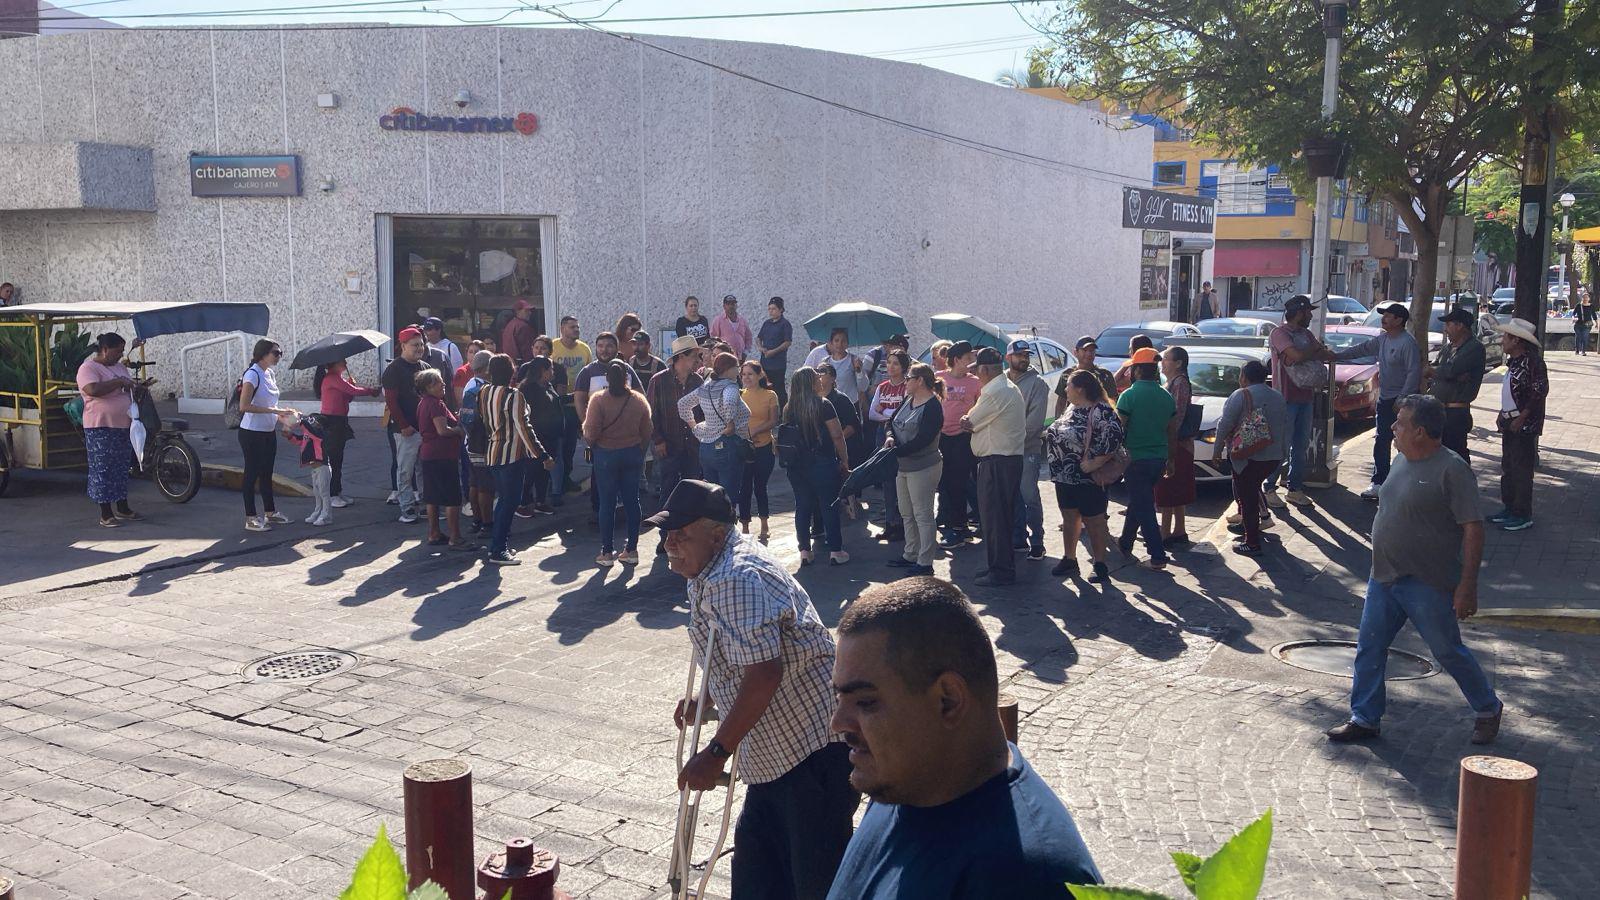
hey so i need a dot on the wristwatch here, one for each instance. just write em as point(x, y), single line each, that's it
point(716, 749)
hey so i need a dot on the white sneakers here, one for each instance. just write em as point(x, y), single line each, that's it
point(256, 523)
point(339, 502)
point(1371, 493)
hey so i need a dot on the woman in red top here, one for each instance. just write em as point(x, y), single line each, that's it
point(335, 388)
point(440, 461)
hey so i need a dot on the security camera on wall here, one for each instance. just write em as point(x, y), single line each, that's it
point(463, 97)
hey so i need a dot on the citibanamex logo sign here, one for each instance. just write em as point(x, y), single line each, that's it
point(406, 119)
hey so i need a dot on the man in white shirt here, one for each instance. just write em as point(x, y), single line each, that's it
point(999, 425)
point(433, 333)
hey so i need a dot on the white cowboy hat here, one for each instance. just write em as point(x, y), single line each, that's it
point(1521, 328)
point(683, 345)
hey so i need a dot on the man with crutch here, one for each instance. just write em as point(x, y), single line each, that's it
point(768, 662)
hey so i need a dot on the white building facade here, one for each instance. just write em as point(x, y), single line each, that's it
point(585, 174)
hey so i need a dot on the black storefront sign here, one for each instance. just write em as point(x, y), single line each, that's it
point(244, 176)
point(1159, 210)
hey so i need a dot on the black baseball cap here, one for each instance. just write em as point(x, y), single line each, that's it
point(1395, 307)
point(641, 337)
point(1085, 341)
point(692, 500)
point(989, 356)
point(432, 322)
point(959, 349)
point(1297, 303)
point(1458, 315)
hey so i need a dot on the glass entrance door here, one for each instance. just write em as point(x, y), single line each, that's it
point(468, 272)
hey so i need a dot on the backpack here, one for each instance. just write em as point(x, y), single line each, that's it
point(1253, 434)
point(789, 442)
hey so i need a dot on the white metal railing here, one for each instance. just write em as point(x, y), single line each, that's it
point(183, 358)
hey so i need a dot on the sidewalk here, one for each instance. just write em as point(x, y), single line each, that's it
point(136, 761)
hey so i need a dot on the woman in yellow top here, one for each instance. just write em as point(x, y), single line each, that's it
point(763, 403)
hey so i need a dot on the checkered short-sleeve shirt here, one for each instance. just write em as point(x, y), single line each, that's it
point(761, 613)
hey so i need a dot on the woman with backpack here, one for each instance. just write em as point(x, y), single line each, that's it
point(511, 445)
point(258, 435)
point(1253, 425)
point(812, 448)
point(333, 385)
point(1088, 439)
point(616, 426)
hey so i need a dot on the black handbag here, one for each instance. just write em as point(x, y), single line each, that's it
point(1191, 421)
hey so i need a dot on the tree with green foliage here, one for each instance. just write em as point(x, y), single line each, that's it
point(1428, 90)
point(1492, 196)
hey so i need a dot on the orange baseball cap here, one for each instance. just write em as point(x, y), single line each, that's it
point(1144, 355)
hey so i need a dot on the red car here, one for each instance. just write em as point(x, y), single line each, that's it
point(1357, 397)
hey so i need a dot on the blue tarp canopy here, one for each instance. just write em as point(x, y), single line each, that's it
point(153, 318)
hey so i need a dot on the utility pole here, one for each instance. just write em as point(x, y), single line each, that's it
point(1538, 172)
point(1323, 466)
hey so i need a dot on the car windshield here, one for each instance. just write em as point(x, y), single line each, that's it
point(1345, 305)
point(1505, 293)
point(1344, 341)
point(1226, 326)
point(1114, 341)
point(1212, 377)
point(1374, 319)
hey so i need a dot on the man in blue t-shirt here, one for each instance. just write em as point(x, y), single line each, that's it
point(956, 811)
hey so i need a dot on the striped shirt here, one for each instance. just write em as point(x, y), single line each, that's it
point(761, 613)
point(505, 415)
point(721, 404)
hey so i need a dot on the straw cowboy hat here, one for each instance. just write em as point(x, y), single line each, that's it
point(1520, 328)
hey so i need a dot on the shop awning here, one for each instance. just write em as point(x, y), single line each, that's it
point(1247, 259)
point(1587, 235)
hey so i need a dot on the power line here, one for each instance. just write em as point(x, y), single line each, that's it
point(325, 8)
point(949, 46)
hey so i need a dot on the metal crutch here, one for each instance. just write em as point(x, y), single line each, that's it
point(680, 874)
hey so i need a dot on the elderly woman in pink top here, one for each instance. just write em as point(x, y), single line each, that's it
point(107, 390)
point(335, 388)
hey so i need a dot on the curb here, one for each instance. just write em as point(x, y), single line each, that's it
point(232, 478)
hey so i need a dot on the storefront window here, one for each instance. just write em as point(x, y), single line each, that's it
point(468, 272)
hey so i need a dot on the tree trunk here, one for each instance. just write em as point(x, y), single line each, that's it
point(1433, 199)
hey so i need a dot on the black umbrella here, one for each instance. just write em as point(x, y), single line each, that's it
point(337, 346)
point(879, 468)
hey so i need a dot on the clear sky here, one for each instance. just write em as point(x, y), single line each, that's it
point(977, 41)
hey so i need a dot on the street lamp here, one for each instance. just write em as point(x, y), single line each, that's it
point(1566, 200)
point(1325, 155)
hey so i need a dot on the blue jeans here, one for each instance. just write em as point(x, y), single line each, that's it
point(1141, 479)
point(1383, 444)
point(570, 430)
point(507, 491)
point(1028, 523)
point(816, 485)
point(1432, 611)
point(617, 472)
point(1299, 438)
point(723, 467)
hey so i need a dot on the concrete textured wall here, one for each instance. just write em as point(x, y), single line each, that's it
point(663, 177)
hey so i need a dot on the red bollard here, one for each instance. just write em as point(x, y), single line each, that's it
point(526, 871)
point(1008, 717)
point(1494, 829)
point(438, 802)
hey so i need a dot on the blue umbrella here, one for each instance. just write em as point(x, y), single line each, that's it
point(866, 323)
point(976, 331)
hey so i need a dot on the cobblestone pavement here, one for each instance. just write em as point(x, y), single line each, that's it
point(136, 762)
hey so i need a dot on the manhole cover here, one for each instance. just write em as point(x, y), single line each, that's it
point(1339, 658)
point(302, 665)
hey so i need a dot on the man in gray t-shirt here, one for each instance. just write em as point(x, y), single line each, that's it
point(1427, 543)
point(1399, 374)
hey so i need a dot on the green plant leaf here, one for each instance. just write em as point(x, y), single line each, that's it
point(1096, 892)
point(1188, 864)
point(1235, 871)
point(379, 875)
point(428, 890)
